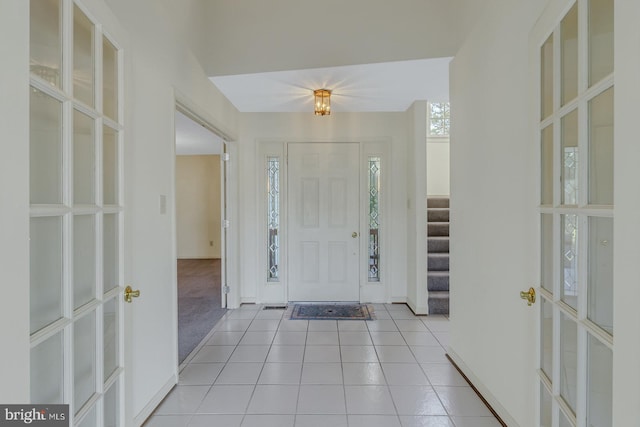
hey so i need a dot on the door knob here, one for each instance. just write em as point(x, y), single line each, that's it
point(354, 234)
point(129, 294)
point(529, 295)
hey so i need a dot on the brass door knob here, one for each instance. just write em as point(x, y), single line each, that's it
point(354, 234)
point(529, 295)
point(129, 294)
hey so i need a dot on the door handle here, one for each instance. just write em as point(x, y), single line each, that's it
point(354, 234)
point(529, 295)
point(129, 294)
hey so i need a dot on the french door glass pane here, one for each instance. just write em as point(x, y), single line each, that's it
point(83, 57)
point(546, 75)
point(110, 166)
point(109, 79)
point(600, 278)
point(569, 62)
point(570, 158)
point(84, 359)
point(569, 260)
point(545, 407)
point(110, 260)
point(564, 422)
point(110, 326)
point(91, 420)
point(568, 360)
point(111, 406)
point(546, 172)
point(45, 45)
point(83, 159)
point(599, 377)
point(45, 151)
point(547, 251)
point(47, 368)
point(46, 271)
point(84, 259)
point(546, 338)
point(601, 149)
point(600, 39)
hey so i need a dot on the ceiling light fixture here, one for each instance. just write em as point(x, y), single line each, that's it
point(322, 102)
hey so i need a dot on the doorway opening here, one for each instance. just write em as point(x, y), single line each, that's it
point(438, 193)
point(199, 231)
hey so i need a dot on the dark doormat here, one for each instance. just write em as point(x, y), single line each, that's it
point(332, 312)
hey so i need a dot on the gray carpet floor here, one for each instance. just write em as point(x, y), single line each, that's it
point(198, 302)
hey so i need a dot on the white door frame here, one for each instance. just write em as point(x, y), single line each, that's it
point(228, 198)
point(182, 107)
point(276, 292)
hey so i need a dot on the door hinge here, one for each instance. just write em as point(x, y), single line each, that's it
point(225, 157)
point(226, 289)
point(226, 223)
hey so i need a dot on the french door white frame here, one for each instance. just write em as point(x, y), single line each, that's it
point(276, 292)
point(66, 211)
point(547, 25)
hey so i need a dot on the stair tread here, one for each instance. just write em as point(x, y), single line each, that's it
point(440, 273)
point(438, 237)
point(439, 294)
point(439, 254)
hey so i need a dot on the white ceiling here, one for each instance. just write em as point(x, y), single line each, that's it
point(194, 139)
point(383, 87)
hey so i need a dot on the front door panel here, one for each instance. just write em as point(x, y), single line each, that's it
point(323, 211)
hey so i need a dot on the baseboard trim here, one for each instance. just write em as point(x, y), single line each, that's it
point(487, 397)
point(418, 311)
point(146, 412)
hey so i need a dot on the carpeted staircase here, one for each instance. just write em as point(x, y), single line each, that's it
point(438, 254)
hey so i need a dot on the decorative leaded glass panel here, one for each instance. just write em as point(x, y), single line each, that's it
point(374, 219)
point(570, 260)
point(570, 158)
point(273, 219)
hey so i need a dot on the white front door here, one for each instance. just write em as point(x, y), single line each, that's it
point(323, 207)
point(575, 133)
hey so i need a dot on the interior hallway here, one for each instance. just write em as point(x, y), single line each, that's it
point(259, 369)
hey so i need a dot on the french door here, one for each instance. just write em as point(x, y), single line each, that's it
point(76, 214)
point(575, 132)
point(323, 200)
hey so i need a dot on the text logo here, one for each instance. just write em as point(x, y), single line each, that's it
point(36, 415)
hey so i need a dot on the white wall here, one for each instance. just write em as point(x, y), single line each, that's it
point(391, 128)
point(159, 67)
point(416, 218)
point(626, 317)
point(14, 199)
point(493, 209)
point(198, 206)
point(494, 244)
point(258, 36)
point(438, 167)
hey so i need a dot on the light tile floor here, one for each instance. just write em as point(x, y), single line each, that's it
point(258, 368)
